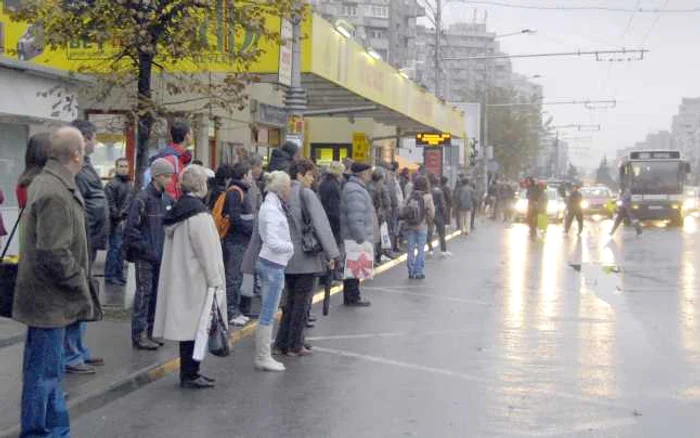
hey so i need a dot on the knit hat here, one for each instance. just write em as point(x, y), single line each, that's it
point(161, 166)
point(360, 167)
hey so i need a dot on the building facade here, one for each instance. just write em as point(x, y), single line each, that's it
point(387, 26)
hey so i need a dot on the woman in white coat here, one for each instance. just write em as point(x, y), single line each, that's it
point(192, 269)
point(277, 249)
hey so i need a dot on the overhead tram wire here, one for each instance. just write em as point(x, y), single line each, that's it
point(654, 23)
point(587, 8)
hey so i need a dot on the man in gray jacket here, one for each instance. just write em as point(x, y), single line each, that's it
point(358, 222)
point(52, 290)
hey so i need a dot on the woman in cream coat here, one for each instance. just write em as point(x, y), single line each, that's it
point(192, 271)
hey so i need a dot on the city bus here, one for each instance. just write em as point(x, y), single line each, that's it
point(656, 180)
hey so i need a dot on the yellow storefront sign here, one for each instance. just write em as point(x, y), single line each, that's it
point(26, 42)
point(325, 54)
point(360, 147)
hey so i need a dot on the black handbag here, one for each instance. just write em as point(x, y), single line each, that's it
point(8, 275)
point(219, 343)
point(309, 241)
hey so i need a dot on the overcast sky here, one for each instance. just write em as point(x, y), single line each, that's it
point(648, 92)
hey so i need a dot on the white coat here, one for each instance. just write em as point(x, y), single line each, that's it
point(191, 268)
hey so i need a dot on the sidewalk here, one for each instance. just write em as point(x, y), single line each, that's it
point(125, 370)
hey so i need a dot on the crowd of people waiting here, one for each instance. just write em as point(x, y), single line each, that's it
point(193, 235)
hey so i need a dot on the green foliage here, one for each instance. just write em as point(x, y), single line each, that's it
point(179, 39)
point(514, 131)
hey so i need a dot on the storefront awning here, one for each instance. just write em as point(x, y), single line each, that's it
point(340, 73)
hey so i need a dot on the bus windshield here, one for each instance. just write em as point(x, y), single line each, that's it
point(656, 177)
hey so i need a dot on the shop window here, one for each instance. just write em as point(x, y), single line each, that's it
point(13, 140)
point(111, 141)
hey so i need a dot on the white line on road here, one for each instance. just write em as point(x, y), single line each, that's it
point(590, 427)
point(468, 377)
point(391, 335)
point(439, 297)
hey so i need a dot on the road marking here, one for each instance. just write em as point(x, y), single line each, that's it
point(468, 377)
point(439, 297)
point(591, 427)
point(391, 335)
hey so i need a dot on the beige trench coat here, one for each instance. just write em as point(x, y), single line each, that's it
point(192, 264)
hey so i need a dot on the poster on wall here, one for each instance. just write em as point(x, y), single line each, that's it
point(432, 158)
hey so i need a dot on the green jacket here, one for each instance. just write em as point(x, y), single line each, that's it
point(52, 284)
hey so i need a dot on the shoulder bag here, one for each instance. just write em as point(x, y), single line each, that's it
point(310, 243)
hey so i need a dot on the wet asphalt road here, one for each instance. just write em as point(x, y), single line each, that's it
point(504, 339)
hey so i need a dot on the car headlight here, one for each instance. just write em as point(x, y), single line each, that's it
point(585, 205)
point(521, 206)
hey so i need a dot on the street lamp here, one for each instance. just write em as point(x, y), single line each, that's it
point(344, 27)
point(373, 53)
point(520, 32)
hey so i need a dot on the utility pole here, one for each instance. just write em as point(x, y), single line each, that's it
point(438, 27)
point(295, 98)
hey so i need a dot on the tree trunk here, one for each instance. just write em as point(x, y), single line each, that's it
point(144, 116)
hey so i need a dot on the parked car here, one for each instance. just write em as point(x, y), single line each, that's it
point(598, 200)
point(555, 206)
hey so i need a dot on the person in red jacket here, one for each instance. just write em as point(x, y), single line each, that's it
point(177, 154)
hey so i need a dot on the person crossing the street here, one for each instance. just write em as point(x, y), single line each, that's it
point(574, 210)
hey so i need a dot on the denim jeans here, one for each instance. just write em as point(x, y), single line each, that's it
point(114, 265)
point(147, 275)
point(416, 243)
point(233, 258)
point(75, 351)
point(44, 411)
point(272, 282)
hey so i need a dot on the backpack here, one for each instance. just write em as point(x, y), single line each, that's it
point(223, 222)
point(414, 210)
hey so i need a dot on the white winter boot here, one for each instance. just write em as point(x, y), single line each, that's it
point(263, 358)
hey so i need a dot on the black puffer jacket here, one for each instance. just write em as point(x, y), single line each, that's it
point(96, 208)
point(282, 158)
point(330, 191)
point(118, 191)
point(144, 234)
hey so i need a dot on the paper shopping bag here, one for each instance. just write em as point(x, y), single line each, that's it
point(384, 233)
point(359, 260)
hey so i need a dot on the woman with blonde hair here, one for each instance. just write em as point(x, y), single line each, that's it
point(276, 250)
point(191, 274)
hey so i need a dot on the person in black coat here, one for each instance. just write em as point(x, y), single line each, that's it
point(330, 190)
point(119, 191)
point(282, 157)
point(240, 209)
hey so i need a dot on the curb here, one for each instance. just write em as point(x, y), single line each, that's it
point(90, 402)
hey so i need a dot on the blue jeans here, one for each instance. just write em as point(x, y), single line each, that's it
point(44, 411)
point(272, 283)
point(416, 243)
point(114, 265)
point(75, 350)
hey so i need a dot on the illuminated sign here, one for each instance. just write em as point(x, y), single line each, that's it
point(427, 139)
